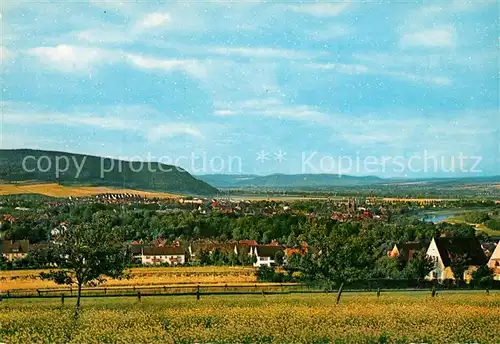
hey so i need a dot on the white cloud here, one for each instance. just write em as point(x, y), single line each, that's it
point(437, 80)
point(430, 63)
point(116, 118)
point(330, 32)
point(152, 20)
point(260, 52)
point(19, 141)
point(104, 35)
point(271, 107)
point(355, 69)
point(341, 67)
point(172, 129)
point(192, 67)
point(454, 6)
point(321, 9)
point(69, 119)
point(72, 58)
point(406, 129)
point(430, 38)
point(5, 54)
point(225, 113)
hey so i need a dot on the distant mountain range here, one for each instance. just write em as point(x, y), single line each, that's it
point(311, 181)
point(287, 180)
point(78, 169)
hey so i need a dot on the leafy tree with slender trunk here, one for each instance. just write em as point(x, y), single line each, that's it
point(419, 266)
point(459, 264)
point(85, 254)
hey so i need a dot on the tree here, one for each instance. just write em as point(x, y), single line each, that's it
point(476, 217)
point(459, 263)
point(388, 267)
point(85, 254)
point(196, 232)
point(292, 240)
point(279, 258)
point(483, 277)
point(493, 224)
point(268, 274)
point(343, 254)
point(246, 259)
point(233, 259)
point(293, 263)
point(419, 266)
point(205, 258)
point(265, 238)
point(218, 257)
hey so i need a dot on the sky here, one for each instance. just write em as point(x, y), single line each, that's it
point(257, 87)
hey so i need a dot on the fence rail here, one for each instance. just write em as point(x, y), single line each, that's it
point(159, 290)
point(219, 289)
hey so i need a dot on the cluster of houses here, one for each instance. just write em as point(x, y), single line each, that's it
point(12, 250)
point(351, 211)
point(444, 251)
point(177, 254)
point(157, 253)
point(108, 198)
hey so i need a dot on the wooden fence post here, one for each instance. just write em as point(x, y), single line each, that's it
point(378, 292)
point(139, 296)
point(198, 292)
point(339, 294)
point(38, 291)
point(62, 299)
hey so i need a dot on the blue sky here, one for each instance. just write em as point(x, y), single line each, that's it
point(238, 79)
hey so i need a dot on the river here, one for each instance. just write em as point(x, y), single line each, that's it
point(439, 216)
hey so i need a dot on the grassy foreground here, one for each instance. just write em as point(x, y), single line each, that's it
point(451, 317)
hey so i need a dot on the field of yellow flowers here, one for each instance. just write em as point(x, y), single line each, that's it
point(450, 317)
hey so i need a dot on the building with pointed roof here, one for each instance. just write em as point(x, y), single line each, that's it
point(445, 250)
point(494, 262)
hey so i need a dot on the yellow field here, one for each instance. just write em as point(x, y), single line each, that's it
point(29, 279)
point(277, 198)
point(56, 190)
point(420, 200)
point(451, 317)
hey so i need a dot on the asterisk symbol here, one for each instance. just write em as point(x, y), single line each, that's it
point(279, 156)
point(262, 156)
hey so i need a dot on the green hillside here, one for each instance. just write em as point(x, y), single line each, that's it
point(77, 169)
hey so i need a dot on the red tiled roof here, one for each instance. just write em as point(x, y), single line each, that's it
point(163, 251)
point(248, 242)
